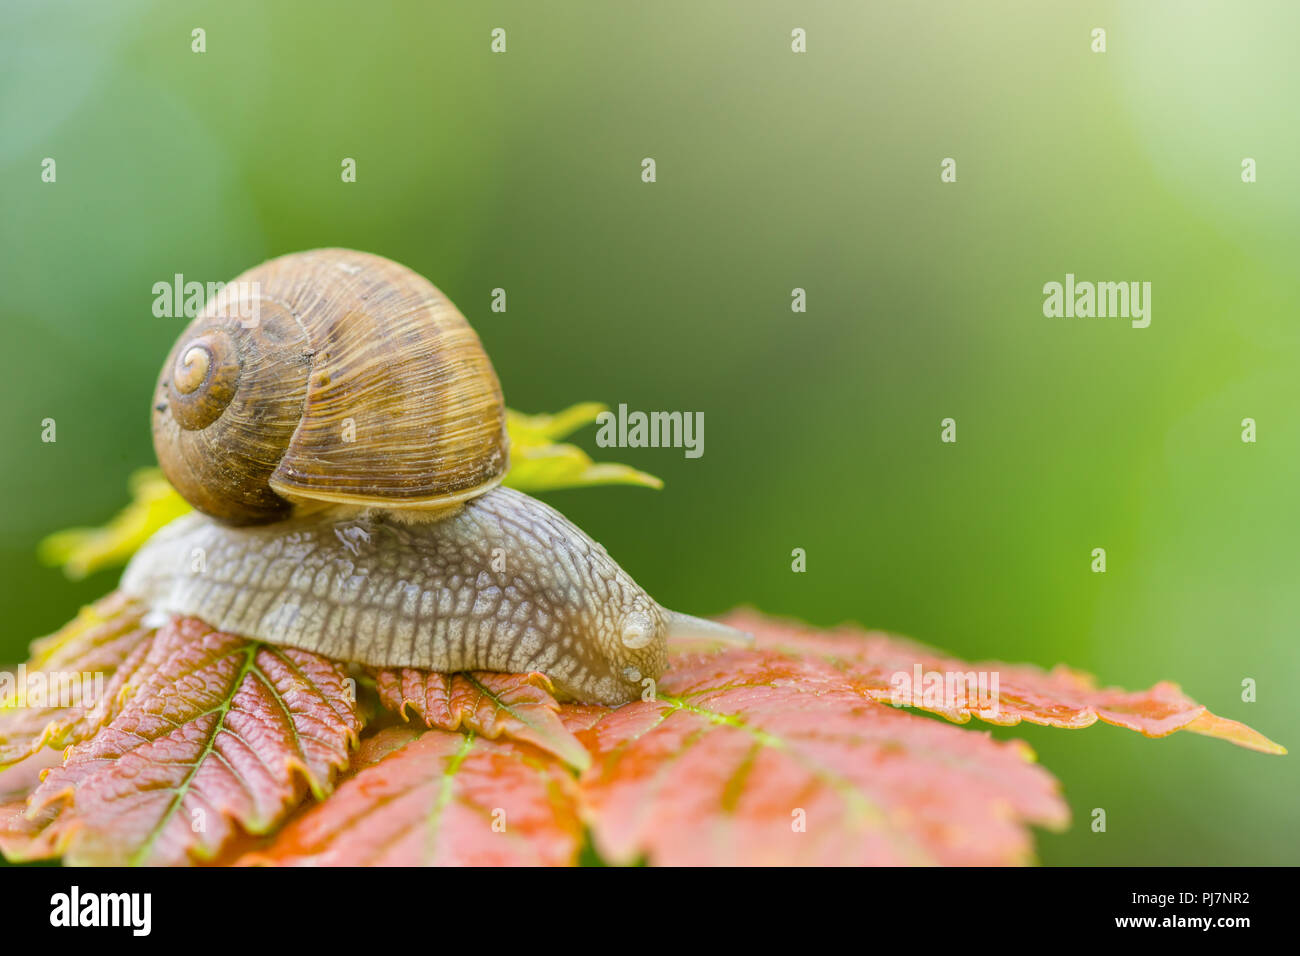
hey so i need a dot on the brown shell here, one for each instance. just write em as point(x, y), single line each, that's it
point(328, 376)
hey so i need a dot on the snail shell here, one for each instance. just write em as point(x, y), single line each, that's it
point(329, 377)
point(428, 595)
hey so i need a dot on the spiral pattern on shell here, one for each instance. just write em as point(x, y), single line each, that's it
point(328, 377)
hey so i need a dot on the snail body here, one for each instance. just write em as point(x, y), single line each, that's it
point(506, 583)
point(342, 433)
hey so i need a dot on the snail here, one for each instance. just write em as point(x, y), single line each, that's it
point(341, 434)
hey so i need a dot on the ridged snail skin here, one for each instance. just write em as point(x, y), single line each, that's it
point(391, 594)
point(329, 377)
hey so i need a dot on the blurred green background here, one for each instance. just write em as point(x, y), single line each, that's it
point(775, 171)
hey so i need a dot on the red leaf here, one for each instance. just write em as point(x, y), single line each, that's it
point(1059, 698)
point(21, 837)
point(102, 646)
point(223, 731)
point(520, 706)
point(788, 752)
point(750, 757)
point(435, 798)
